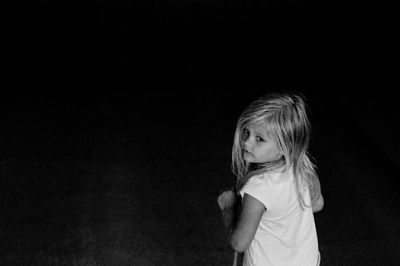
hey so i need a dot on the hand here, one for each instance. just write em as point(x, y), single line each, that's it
point(226, 200)
point(318, 204)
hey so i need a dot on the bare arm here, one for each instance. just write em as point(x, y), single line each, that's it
point(242, 233)
point(318, 203)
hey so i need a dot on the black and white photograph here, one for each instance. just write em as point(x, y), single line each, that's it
point(198, 132)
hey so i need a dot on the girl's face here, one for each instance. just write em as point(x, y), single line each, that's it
point(258, 147)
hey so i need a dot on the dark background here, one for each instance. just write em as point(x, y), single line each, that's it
point(211, 43)
point(345, 48)
point(117, 120)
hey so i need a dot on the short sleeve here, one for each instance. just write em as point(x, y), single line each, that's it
point(256, 188)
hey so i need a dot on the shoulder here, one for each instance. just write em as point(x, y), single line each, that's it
point(269, 178)
point(257, 181)
point(279, 176)
point(266, 183)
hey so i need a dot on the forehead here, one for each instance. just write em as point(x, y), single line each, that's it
point(259, 127)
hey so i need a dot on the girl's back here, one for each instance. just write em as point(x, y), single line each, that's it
point(286, 234)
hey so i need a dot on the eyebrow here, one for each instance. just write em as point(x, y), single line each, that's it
point(261, 134)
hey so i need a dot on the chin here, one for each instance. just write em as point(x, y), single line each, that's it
point(248, 158)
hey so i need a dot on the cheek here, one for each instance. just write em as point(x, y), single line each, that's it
point(269, 154)
point(248, 158)
point(275, 151)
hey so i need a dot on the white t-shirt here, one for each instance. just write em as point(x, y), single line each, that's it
point(286, 234)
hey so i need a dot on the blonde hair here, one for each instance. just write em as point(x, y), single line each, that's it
point(287, 122)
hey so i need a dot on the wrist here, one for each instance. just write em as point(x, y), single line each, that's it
point(227, 209)
point(228, 217)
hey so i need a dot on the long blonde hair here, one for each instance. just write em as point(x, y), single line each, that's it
point(287, 122)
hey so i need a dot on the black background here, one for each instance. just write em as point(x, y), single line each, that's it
point(102, 100)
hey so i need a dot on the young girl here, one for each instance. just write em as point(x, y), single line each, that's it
point(279, 188)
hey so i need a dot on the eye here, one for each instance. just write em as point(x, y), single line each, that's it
point(259, 139)
point(246, 133)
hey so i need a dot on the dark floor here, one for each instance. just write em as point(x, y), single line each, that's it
point(136, 184)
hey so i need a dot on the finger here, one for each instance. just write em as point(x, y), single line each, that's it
point(221, 205)
point(220, 200)
point(227, 188)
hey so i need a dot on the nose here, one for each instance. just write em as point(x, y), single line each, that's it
point(247, 144)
